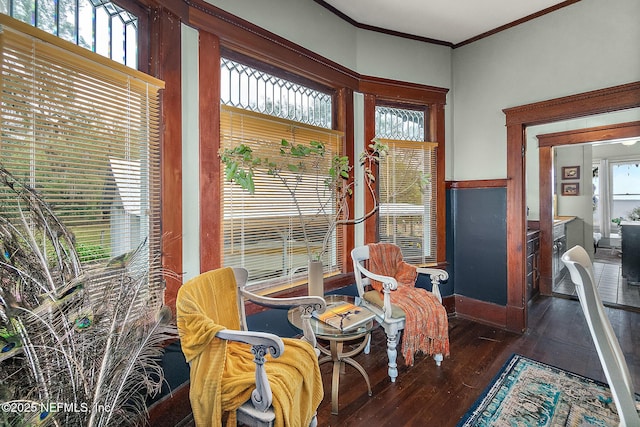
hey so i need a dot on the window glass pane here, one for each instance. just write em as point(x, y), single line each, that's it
point(67, 21)
point(103, 32)
point(86, 36)
point(626, 189)
point(86, 139)
point(406, 183)
point(97, 25)
point(131, 50)
point(276, 230)
point(46, 16)
point(251, 89)
point(118, 31)
point(24, 10)
point(272, 232)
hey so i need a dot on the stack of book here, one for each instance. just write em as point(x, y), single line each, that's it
point(344, 315)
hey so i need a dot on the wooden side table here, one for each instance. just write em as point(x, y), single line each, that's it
point(337, 338)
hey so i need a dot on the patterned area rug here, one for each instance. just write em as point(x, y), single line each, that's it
point(530, 393)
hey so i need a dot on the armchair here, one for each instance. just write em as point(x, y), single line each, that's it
point(427, 320)
point(232, 377)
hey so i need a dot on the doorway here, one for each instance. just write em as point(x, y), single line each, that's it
point(611, 191)
point(518, 119)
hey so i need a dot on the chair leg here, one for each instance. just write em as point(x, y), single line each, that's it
point(367, 348)
point(392, 342)
point(438, 358)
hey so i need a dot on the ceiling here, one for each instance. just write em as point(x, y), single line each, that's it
point(450, 22)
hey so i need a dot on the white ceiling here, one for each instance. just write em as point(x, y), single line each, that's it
point(452, 21)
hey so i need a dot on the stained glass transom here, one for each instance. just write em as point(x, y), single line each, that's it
point(399, 123)
point(98, 25)
point(248, 88)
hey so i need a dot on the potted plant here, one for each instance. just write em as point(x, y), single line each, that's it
point(334, 187)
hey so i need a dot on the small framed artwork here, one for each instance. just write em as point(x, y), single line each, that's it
point(570, 188)
point(571, 172)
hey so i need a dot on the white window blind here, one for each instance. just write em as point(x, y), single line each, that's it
point(407, 198)
point(263, 231)
point(84, 132)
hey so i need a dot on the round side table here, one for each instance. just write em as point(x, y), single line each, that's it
point(337, 338)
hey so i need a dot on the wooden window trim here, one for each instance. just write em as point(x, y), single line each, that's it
point(220, 32)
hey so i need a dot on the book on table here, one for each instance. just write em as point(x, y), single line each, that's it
point(344, 315)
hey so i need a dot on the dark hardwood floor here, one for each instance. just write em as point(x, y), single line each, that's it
point(426, 395)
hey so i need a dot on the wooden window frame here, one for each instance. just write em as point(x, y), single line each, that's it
point(221, 32)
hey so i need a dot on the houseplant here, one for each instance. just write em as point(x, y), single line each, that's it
point(334, 187)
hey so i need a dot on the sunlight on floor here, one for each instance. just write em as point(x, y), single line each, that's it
point(612, 287)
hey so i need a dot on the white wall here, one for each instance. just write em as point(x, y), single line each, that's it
point(580, 230)
point(589, 45)
point(305, 23)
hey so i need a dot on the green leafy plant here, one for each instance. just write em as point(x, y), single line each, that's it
point(634, 215)
point(297, 162)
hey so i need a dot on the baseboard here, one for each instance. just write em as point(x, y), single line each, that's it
point(481, 311)
point(172, 410)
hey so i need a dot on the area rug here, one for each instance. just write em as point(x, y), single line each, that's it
point(530, 393)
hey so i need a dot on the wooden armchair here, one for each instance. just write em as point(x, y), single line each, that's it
point(212, 325)
point(610, 354)
point(390, 316)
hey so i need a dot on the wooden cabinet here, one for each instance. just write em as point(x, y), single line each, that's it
point(630, 233)
point(533, 263)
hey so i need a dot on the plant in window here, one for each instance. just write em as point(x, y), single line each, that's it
point(634, 215)
point(298, 162)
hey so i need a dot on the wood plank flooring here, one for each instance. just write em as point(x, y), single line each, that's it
point(426, 395)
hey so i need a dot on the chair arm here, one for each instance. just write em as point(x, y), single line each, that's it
point(313, 301)
point(437, 275)
point(261, 342)
point(388, 284)
point(270, 342)
point(306, 304)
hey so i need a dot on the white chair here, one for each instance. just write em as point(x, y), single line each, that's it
point(391, 317)
point(257, 411)
point(611, 357)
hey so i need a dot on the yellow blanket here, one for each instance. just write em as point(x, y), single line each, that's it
point(223, 374)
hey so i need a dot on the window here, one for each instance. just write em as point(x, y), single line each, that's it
point(407, 183)
point(625, 182)
point(85, 134)
point(265, 231)
point(98, 25)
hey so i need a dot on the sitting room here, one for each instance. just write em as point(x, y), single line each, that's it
point(190, 189)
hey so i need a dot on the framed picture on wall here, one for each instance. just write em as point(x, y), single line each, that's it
point(570, 172)
point(570, 188)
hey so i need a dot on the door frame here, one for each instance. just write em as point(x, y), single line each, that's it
point(517, 120)
point(545, 144)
